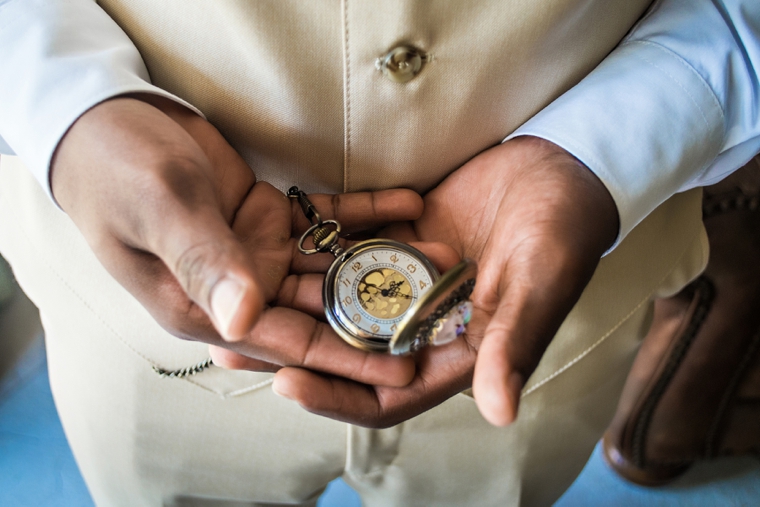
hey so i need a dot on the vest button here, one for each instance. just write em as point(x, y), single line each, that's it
point(401, 64)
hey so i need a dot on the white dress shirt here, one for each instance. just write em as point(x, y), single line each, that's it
point(676, 105)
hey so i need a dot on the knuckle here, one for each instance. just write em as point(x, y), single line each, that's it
point(382, 416)
point(286, 296)
point(359, 368)
point(194, 269)
point(373, 204)
point(337, 205)
point(312, 345)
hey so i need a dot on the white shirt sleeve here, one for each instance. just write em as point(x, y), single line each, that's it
point(59, 59)
point(675, 106)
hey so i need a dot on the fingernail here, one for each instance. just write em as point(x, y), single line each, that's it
point(277, 389)
point(225, 301)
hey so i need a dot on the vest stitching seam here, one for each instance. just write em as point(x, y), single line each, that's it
point(346, 101)
point(606, 335)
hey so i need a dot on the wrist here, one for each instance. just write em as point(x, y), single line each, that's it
point(588, 197)
point(116, 141)
point(169, 107)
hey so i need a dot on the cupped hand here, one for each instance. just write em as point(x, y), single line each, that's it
point(177, 217)
point(537, 222)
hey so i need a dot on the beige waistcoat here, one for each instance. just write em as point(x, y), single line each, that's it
point(292, 84)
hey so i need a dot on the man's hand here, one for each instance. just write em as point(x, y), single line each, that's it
point(155, 190)
point(537, 222)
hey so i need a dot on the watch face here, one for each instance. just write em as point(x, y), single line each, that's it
point(384, 292)
point(375, 286)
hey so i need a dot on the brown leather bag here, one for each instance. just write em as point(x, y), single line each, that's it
point(694, 390)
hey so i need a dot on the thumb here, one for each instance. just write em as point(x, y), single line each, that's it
point(496, 382)
point(211, 266)
point(526, 319)
point(142, 192)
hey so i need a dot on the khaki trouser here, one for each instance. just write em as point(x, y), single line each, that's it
point(140, 439)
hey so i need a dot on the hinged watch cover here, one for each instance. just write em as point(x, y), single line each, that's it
point(384, 296)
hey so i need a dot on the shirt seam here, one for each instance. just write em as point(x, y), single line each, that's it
point(706, 87)
point(687, 66)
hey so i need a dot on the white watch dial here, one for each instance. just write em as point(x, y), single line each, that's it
point(376, 287)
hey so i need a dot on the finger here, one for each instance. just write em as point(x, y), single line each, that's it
point(230, 360)
point(526, 319)
point(441, 255)
point(399, 231)
point(208, 290)
point(331, 397)
point(497, 384)
point(261, 224)
point(303, 293)
point(442, 373)
point(361, 210)
point(203, 264)
point(290, 338)
point(317, 263)
point(211, 266)
point(136, 182)
point(153, 284)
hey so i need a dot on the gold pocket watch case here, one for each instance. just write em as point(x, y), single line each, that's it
point(384, 296)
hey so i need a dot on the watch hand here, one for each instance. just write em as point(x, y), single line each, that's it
point(395, 290)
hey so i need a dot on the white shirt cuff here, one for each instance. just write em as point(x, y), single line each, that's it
point(59, 60)
point(644, 122)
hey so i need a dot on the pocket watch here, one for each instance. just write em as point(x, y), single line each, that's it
point(381, 295)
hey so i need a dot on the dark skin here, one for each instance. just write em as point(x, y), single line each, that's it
point(537, 221)
point(175, 204)
point(171, 210)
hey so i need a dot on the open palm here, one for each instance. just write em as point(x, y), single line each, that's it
point(537, 222)
point(178, 218)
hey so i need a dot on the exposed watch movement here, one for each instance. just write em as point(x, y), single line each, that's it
point(385, 296)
